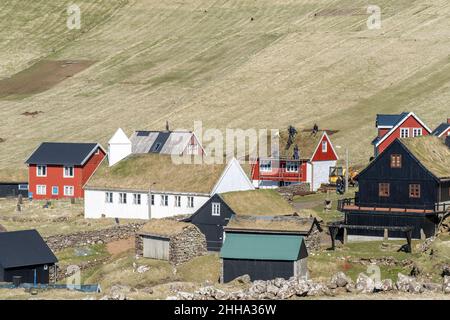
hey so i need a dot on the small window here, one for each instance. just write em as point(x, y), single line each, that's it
point(215, 209)
point(190, 202)
point(45, 267)
point(122, 198)
point(177, 201)
point(136, 198)
point(383, 189)
point(164, 200)
point(109, 197)
point(291, 166)
point(23, 187)
point(68, 172)
point(396, 160)
point(152, 199)
point(97, 151)
point(41, 189)
point(55, 190)
point(265, 166)
point(417, 132)
point(324, 146)
point(157, 146)
point(404, 132)
point(414, 190)
point(41, 171)
point(68, 191)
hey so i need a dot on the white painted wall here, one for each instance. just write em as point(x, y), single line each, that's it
point(265, 184)
point(95, 206)
point(119, 147)
point(233, 179)
point(320, 171)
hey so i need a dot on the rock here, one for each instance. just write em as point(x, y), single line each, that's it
point(446, 285)
point(118, 292)
point(301, 288)
point(446, 270)
point(142, 269)
point(408, 284)
point(434, 287)
point(339, 280)
point(384, 285)
point(245, 279)
point(364, 284)
point(147, 290)
point(184, 296)
point(272, 289)
point(258, 287)
point(415, 271)
point(317, 289)
point(279, 282)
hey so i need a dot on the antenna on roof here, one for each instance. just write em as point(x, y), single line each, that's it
point(167, 125)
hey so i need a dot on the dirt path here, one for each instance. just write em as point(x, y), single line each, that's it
point(119, 246)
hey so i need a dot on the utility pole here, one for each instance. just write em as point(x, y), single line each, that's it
point(346, 170)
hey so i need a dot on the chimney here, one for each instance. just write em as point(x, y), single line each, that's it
point(167, 125)
point(448, 120)
point(119, 147)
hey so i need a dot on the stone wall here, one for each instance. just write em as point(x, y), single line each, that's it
point(313, 241)
point(79, 239)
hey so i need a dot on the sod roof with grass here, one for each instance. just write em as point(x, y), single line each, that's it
point(164, 227)
point(287, 224)
point(432, 153)
point(261, 202)
point(158, 172)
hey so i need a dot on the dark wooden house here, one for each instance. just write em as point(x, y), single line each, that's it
point(263, 256)
point(408, 185)
point(220, 208)
point(13, 189)
point(25, 254)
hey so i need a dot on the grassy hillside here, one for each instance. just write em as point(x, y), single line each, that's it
point(298, 62)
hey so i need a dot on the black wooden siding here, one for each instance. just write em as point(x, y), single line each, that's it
point(12, 190)
point(212, 226)
point(399, 179)
point(27, 274)
point(257, 269)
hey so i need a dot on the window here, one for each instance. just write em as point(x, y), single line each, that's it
point(324, 146)
point(109, 197)
point(396, 160)
point(177, 201)
point(404, 132)
point(23, 187)
point(417, 132)
point(68, 172)
point(45, 267)
point(215, 209)
point(68, 191)
point(41, 189)
point(55, 191)
point(190, 202)
point(136, 198)
point(97, 151)
point(291, 166)
point(41, 171)
point(152, 199)
point(383, 189)
point(157, 146)
point(164, 200)
point(122, 198)
point(265, 165)
point(414, 190)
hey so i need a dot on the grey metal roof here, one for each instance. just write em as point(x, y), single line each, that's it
point(163, 142)
point(62, 153)
point(24, 248)
point(390, 120)
point(440, 129)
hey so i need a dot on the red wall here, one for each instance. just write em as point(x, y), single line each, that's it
point(324, 156)
point(55, 177)
point(410, 123)
point(279, 174)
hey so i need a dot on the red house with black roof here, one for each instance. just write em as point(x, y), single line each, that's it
point(393, 126)
point(443, 130)
point(59, 170)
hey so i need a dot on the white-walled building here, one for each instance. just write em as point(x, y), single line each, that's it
point(124, 189)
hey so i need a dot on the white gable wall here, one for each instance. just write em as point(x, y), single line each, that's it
point(233, 179)
point(321, 172)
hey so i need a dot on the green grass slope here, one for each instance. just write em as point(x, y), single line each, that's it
point(296, 62)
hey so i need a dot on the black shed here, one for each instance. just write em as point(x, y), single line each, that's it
point(13, 189)
point(25, 254)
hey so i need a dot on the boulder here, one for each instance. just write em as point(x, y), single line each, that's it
point(408, 284)
point(301, 288)
point(431, 286)
point(339, 280)
point(244, 279)
point(258, 287)
point(446, 270)
point(317, 289)
point(119, 292)
point(272, 289)
point(364, 284)
point(446, 285)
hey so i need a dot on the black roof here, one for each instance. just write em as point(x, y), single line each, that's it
point(24, 248)
point(62, 153)
point(390, 120)
point(440, 129)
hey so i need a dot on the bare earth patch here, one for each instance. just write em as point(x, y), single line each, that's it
point(117, 247)
point(41, 76)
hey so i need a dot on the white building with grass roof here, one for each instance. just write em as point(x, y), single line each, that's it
point(145, 186)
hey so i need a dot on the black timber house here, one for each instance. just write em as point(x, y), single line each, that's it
point(25, 254)
point(407, 185)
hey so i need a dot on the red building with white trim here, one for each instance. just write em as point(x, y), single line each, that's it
point(393, 126)
point(309, 164)
point(59, 170)
point(443, 130)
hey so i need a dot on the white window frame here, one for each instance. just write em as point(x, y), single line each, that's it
point(403, 131)
point(291, 166)
point(69, 194)
point(122, 198)
point(164, 200)
point(38, 172)
point(324, 146)
point(109, 197)
point(137, 199)
point(190, 202)
point(265, 166)
point(215, 209)
point(65, 171)
point(41, 189)
point(57, 190)
point(177, 201)
point(417, 132)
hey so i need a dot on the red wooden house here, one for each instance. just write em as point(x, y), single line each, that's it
point(443, 130)
point(306, 160)
point(59, 170)
point(393, 126)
